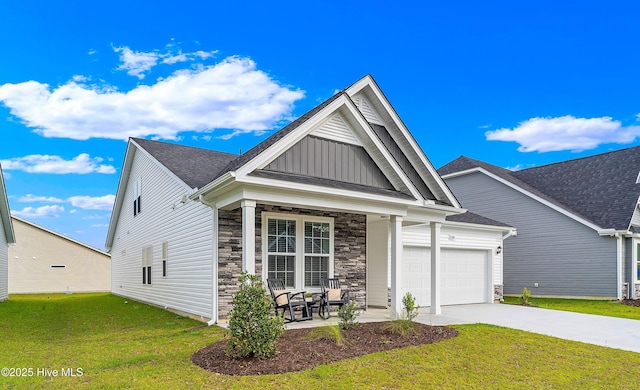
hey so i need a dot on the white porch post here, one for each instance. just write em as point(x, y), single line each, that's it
point(249, 236)
point(395, 226)
point(435, 268)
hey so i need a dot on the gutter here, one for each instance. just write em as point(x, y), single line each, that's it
point(218, 183)
point(510, 233)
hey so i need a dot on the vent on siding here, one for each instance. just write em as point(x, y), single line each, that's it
point(367, 111)
point(338, 130)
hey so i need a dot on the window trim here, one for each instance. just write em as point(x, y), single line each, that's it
point(147, 263)
point(137, 197)
point(635, 267)
point(299, 253)
point(165, 256)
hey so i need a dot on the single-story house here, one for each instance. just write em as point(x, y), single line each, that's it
point(44, 261)
point(7, 237)
point(343, 191)
point(578, 222)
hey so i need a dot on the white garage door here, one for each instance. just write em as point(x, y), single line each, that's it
point(464, 276)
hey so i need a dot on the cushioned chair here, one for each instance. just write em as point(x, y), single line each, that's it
point(288, 302)
point(332, 295)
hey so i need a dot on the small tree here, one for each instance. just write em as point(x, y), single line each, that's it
point(347, 315)
point(410, 307)
point(254, 331)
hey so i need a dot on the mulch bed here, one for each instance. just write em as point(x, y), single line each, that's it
point(631, 302)
point(296, 352)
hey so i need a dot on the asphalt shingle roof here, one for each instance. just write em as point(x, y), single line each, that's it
point(195, 166)
point(477, 219)
point(600, 188)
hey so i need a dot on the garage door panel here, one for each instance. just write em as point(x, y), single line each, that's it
point(464, 275)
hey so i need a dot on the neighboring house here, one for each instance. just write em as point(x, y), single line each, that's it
point(46, 262)
point(343, 191)
point(6, 237)
point(578, 222)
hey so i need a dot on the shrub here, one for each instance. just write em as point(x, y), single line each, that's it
point(410, 307)
point(524, 297)
point(333, 333)
point(405, 325)
point(253, 330)
point(347, 315)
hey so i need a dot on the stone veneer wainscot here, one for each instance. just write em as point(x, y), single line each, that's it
point(349, 250)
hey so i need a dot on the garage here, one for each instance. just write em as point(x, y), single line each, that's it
point(464, 279)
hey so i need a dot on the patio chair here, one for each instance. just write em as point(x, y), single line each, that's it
point(332, 295)
point(288, 302)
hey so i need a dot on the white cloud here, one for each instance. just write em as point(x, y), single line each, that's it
point(136, 63)
point(139, 63)
point(100, 225)
point(39, 212)
point(92, 202)
point(565, 133)
point(231, 94)
point(97, 216)
point(38, 163)
point(41, 199)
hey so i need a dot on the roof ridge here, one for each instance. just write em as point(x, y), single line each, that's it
point(136, 139)
point(581, 158)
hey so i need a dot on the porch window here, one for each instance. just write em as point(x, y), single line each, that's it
point(316, 252)
point(299, 250)
point(281, 250)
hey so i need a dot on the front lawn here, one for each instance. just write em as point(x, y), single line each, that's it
point(132, 345)
point(599, 307)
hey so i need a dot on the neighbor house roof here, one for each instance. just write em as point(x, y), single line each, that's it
point(601, 188)
point(5, 213)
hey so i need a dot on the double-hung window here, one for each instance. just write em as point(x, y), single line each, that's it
point(299, 249)
point(147, 261)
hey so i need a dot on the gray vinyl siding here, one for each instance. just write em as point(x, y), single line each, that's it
point(402, 160)
point(186, 227)
point(565, 257)
point(4, 265)
point(329, 159)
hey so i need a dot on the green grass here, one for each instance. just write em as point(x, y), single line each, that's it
point(132, 345)
point(603, 308)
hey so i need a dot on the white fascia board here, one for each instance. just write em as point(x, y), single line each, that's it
point(306, 128)
point(397, 170)
point(368, 81)
point(166, 170)
point(117, 205)
point(33, 225)
point(318, 191)
point(302, 199)
point(216, 185)
point(475, 226)
point(5, 213)
point(532, 196)
point(279, 147)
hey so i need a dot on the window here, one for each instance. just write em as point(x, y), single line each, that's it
point(137, 197)
point(281, 250)
point(164, 259)
point(316, 252)
point(299, 250)
point(147, 261)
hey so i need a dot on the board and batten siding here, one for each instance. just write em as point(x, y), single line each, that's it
point(459, 237)
point(565, 257)
point(44, 262)
point(4, 265)
point(329, 159)
point(187, 228)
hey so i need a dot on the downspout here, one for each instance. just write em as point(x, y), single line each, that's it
point(619, 264)
point(214, 265)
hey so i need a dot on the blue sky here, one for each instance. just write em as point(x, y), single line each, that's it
point(512, 83)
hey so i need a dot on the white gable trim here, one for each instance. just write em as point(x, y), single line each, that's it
point(531, 195)
point(365, 108)
point(369, 140)
point(434, 179)
point(5, 213)
point(132, 149)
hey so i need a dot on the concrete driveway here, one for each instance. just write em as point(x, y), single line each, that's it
point(610, 332)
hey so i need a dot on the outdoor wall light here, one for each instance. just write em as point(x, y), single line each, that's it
point(499, 249)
